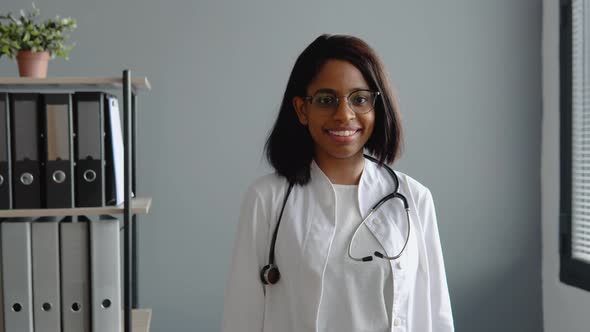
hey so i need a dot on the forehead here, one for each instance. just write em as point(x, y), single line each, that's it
point(338, 75)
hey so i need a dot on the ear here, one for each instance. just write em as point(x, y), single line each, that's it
point(299, 106)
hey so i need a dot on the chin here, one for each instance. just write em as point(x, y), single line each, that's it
point(345, 154)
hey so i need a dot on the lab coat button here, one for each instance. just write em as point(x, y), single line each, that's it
point(397, 322)
point(399, 265)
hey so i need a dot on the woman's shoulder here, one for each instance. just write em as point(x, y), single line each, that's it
point(408, 184)
point(411, 183)
point(417, 190)
point(267, 181)
point(267, 186)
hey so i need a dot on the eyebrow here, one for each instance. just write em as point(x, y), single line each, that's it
point(336, 92)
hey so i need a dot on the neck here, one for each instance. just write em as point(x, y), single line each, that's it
point(342, 171)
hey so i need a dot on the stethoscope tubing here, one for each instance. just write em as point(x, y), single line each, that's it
point(271, 258)
point(270, 273)
point(377, 253)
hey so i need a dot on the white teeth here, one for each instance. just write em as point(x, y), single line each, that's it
point(343, 132)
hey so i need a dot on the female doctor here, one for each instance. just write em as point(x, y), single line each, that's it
point(335, 240)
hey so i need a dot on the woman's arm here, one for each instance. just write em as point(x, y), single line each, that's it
point(442, 316)
point(244, 294)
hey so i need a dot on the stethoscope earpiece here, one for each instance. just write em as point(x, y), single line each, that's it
point(270, 275)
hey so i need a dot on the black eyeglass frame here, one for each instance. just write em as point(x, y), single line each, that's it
point(374, 94)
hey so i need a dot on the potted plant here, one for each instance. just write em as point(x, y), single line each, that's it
point(33, 43)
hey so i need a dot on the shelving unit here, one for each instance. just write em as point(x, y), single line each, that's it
point(134, 320)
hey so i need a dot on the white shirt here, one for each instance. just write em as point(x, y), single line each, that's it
point(350, 282)
point(420, 295)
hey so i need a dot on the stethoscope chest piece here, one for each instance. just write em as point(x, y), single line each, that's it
point(270, 274)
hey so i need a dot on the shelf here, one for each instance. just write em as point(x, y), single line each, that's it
point(29, 84)
point(141, 319)
point(138, 206)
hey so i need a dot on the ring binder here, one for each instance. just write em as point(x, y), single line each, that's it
point(26, 166)
point(75, 291)
point(58, 159)
point(5, 158)
point(17, 276)
point(89, 156)
point(106, 274)
point(46, 276)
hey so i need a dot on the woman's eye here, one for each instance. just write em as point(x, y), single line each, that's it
point(359, 100)
point(325, 100)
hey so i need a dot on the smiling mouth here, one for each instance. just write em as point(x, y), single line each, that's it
point(343, 133)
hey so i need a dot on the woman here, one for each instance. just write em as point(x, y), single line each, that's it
point(338, 103)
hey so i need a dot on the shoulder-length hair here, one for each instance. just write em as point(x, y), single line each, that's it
point(290, 148)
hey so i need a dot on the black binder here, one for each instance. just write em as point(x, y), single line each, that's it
point(5, 169)
point(89, 148)
point(26, 166)
point(58, 159)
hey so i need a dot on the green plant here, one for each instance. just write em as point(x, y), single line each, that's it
point(23, 33)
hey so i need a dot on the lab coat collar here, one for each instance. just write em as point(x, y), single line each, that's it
point(321, 184)
point(372, 185)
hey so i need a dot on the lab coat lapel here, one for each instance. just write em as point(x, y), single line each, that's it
point(320, 210)
point(375, 183)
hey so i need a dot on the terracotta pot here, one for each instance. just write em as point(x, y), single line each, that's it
point(32, 64)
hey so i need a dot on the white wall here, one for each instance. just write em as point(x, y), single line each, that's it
point(468, 74)
point(565, 308)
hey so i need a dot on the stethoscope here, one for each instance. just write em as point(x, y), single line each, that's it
point(270, 274)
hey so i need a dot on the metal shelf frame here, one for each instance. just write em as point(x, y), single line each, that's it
point(130, 293)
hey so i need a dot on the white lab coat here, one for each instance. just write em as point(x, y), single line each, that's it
point(420, 295)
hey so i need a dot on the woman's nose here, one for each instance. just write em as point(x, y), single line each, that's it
point(343, 111)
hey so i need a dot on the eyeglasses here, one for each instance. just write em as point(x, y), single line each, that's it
point(360, 101)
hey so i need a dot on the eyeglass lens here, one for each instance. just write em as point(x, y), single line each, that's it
point(361, 101)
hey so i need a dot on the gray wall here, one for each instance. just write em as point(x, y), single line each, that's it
point(565, 308)
point(468, 75)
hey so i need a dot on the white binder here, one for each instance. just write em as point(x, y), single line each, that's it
point(105, 274)
point(16, 278)
point(114, 150)
point(46, 297)
point(75, 291)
